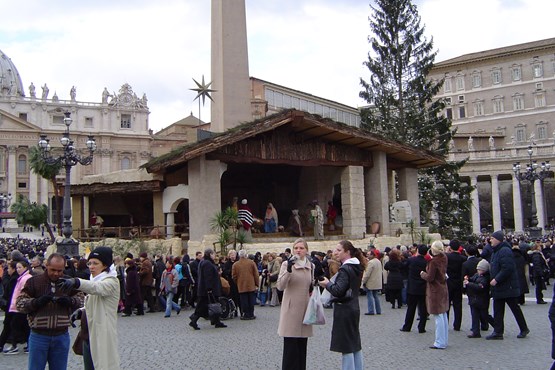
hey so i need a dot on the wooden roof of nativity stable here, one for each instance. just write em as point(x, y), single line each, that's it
point(297, 138)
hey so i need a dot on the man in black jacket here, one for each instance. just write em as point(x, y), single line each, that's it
point(504, 287)
point(455, 282)
point(416, 290)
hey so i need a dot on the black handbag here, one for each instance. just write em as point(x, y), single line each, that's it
point(348, 294)
point(214, 307)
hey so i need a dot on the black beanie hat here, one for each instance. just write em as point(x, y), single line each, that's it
point(104, 254)
point(498, 235)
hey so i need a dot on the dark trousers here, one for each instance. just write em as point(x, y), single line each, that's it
point(294, 353)
point(479, 319)
point(395, 295)
point(7, 329)
point(455, 301)
point(540, 286)
point(146, 293)
point(247, 303)
point(413, 302)
point(499, 314)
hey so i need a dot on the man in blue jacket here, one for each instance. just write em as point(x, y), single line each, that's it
point(504, 287)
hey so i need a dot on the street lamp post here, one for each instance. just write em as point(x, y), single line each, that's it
point(533, 172)
point(68, 159)
point(5, 201)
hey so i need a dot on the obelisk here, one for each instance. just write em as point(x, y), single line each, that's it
point(230, 66)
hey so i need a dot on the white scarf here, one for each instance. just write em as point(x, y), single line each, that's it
point(103, 275)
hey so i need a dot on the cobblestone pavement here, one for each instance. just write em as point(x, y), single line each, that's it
point(155, 342)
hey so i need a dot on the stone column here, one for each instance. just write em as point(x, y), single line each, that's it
point(352, 200)
point(540, 204)
point(170, 225)
point(475, 205)
point(392, 190)
point(376, 190)
point(12, 171)
point(44, 193)
point(517, 206)
point(495, 203)
point(86, 212)
point(33, 187)
point(408, 190)
point(205, 197)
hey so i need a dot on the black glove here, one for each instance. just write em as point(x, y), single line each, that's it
point(67, 284)
point(42, 301)
point(290, 263)
point(63, 301)
point(76, 315)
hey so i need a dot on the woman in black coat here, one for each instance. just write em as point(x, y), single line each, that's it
point(132, 290)
point(209, 287)
point(345, 333)
point(520, 262)
point(9, 280)
point(394, 278)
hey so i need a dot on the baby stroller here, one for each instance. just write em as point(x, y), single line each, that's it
point(229, 310)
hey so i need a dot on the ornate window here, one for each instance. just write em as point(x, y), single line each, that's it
point(539, 100)
point(476, 79)
point(537, 68)
point(498, 106)
point(518, 101)
point(520, 134)
point(516, 72)
point(459, 82)
point(496, 77)
point(542, 131)
point(125, 121)
point(447, 88)
point(125, 163)
point(22, 164)
point(478, 107)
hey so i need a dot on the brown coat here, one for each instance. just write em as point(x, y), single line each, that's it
point(295, 286)
point(437, 295)
point(145, 273)
point(245, 275)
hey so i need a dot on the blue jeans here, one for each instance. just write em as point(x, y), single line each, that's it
point(44, 348)
point(169, 303)
point(263, 296)
point(442, 329)
point(373, 298)
point(352, 361)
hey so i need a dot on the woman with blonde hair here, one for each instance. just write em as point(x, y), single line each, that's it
point(437, 295)
point(295, 280)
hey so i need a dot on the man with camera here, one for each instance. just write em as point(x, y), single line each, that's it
point(49, 309)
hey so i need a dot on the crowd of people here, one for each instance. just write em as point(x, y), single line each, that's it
point(42, 298)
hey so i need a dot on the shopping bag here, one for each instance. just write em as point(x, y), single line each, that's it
point(314, 314)
point(326, 297)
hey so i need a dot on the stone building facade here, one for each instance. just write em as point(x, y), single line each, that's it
point(501, 102)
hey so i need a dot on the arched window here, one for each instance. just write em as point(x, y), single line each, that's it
point(22, 164)
point(125, 163)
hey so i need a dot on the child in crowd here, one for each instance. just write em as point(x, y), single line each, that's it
point(477, 289)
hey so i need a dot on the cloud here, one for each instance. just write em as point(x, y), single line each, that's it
point(316, 46)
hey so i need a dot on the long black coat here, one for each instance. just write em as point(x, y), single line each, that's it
point(503, 270)
point(132, 287)
point(345, 334)
point(208, 279)
point(520, 263)
point(416, 285)
point(395, 276)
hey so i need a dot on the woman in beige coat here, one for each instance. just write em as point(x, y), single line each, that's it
point(295, 279)
point(101, 305)
point(274, 264)
point(372, 284)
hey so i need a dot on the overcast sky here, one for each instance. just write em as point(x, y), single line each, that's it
point(158, 47)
